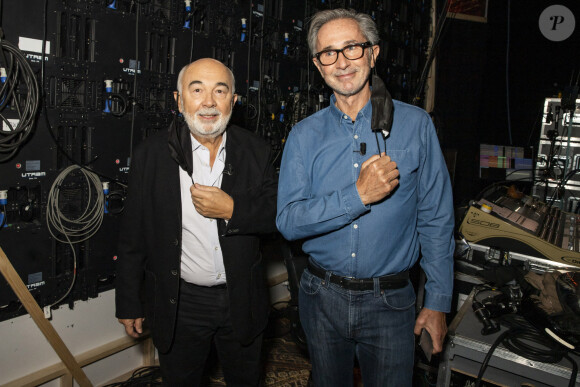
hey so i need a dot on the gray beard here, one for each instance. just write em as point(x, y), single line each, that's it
point(197, 129)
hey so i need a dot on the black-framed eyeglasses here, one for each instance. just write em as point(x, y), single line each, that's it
point(350, 51)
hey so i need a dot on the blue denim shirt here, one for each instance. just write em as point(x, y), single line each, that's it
point(318, 200)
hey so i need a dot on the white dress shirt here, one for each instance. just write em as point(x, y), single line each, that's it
point(202, 261)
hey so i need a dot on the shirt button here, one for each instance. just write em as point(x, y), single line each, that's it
point(356, 165)
point(353, 255)
point(172, 300)
point(355, 226)
point(216, 248)
point(174, 272)
point(345, 117)
point(356, 136)
point(176, 242)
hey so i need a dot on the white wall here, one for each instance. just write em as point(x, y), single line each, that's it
point(92, 323)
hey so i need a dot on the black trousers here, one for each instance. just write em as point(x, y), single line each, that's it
point(203, 316)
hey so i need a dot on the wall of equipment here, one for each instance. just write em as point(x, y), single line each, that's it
point(71, 117)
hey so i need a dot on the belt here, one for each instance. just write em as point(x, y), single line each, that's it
point(219, 286)
point(394, 281)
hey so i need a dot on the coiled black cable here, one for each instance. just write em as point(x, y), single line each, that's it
point(20, 81)
point(144, 376)
point(537, 347)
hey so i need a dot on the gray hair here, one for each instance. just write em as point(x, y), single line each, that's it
point(184, 69)
point(365, 23)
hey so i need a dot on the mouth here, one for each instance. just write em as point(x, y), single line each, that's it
point(208, 116)
point(346, 75)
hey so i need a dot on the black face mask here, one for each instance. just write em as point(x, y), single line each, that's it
point(382, 103)
point(179, 142)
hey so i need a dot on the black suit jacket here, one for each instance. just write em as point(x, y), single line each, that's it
point(148, 264)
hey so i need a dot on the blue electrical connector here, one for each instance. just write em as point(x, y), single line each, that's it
point(108, 90)
point(282, 108)
point(243, 36)
point(3, 202)
point(106, 192)
point(3, 77)
point(188, 16)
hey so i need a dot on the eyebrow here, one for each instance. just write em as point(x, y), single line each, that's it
point(196, 82)
point(345, 44)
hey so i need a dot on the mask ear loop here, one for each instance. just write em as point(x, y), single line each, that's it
point(374, 75)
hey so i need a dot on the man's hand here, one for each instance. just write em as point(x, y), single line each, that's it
point(434, 323)
point(212, 202)
point(378, 178)
point(133, 327)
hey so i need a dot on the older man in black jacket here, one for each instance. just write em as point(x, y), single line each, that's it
point(189, 261)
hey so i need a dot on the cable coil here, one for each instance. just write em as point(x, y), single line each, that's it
point(20, 81)
point(87, 224)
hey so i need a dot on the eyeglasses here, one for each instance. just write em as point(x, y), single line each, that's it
point(351, 52)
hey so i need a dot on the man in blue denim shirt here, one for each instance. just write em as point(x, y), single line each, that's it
point(365, 216)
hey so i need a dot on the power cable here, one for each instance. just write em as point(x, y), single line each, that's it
point(507, 78)
point(144, 376)
point(525, 340)
point(260, 64)
point(68, 230)
point(440, 24)
point(18, 80)
point(45, 112)
point(136, 69)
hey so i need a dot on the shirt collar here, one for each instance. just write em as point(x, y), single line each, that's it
point(221, 155)
point(364, 112)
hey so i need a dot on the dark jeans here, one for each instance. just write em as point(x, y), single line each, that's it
point(203, 315)
point(376, 326)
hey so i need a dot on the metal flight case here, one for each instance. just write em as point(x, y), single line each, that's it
point(467, 348)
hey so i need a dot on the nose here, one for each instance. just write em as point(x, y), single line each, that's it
point(208, 100)
point(341, 61)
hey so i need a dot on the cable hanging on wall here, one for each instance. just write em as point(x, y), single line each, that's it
point(19, 95)
point(74, 230)
point(68, 222)
point(432, 52)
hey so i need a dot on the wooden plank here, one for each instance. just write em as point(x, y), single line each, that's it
point(67, 380)
point(39, 377)
point(149, 353)
point(108, 349)
point(43, 324)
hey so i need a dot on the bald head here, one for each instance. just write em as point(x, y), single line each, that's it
point(206, 97)
point(203, 65)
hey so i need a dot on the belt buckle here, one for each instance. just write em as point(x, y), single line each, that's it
point(352, 283)
point(345, 281)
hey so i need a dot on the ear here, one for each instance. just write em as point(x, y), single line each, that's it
point(177, 96)
point(234, 100)
point(374, 54)
point(318, 66)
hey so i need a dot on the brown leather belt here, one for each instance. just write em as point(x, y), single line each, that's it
point(394, 281)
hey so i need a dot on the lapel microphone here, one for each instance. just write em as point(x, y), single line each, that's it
point(228, 169)
point(363, 149)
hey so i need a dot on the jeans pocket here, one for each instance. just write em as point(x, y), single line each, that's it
point(310, 283)
point(399, 299)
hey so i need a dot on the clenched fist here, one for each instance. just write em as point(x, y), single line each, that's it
point(378, 178)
